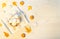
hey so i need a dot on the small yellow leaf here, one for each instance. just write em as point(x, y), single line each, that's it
point(0, 24)
point(22, 3)
point(28, 29)
point(29, 7)
point(6, 34)
point(23, 35)
point(14, 3)
point(31, 17)
point(3, 5)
